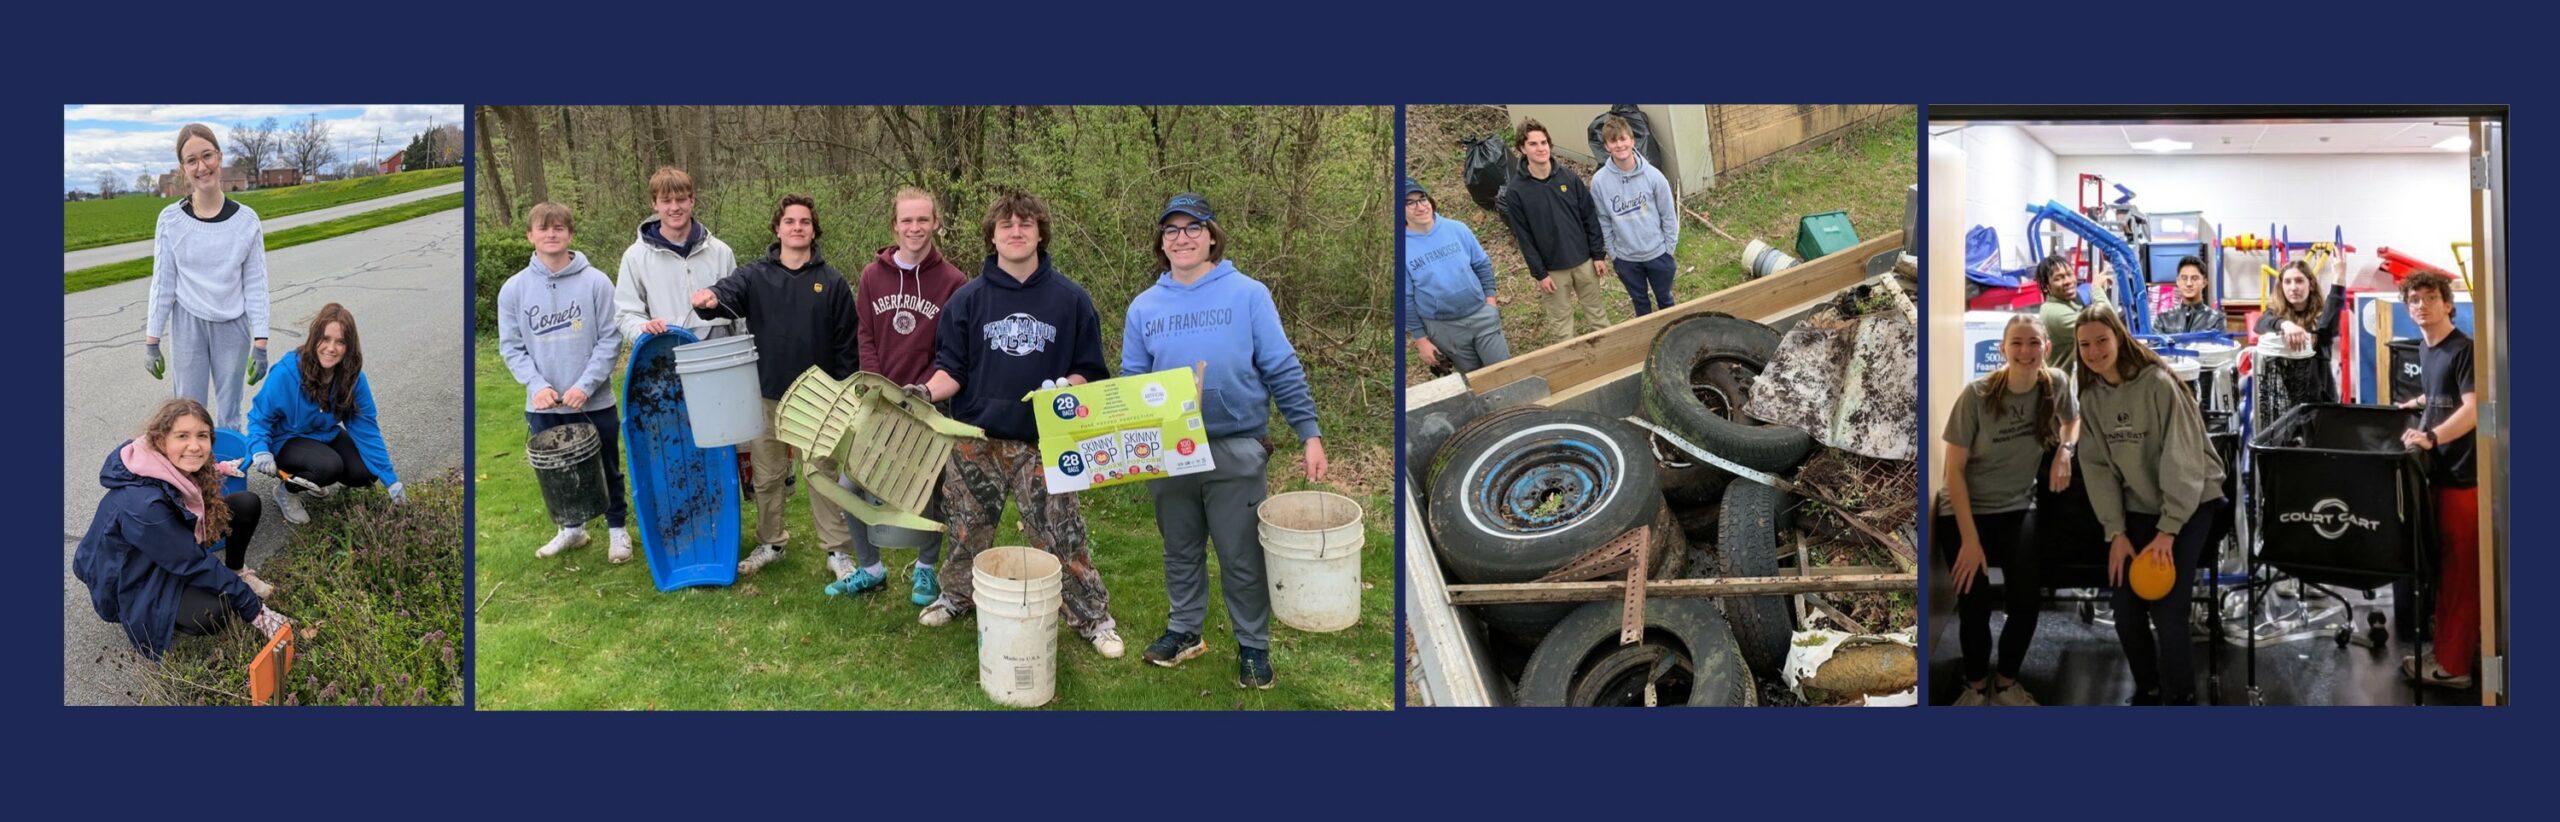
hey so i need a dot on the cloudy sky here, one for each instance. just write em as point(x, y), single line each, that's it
point(131, 140)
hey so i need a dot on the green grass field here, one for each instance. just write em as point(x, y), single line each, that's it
point(377, 590)
point(575, 632)
point(1863, 173)
point(112, 273)
point(93, 223)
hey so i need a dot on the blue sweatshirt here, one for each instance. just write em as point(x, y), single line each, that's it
point(1447, 275)
point(284, 410)
point(1227, 320)
point(999, 337)
point(555, 330)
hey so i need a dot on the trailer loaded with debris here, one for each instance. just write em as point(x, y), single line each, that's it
point(1713, 504)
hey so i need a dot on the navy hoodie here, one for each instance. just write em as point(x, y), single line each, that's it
point(802, 317)
point(999, 337)
point(141, 552)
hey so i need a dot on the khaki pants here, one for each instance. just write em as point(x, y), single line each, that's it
point(771, 458)
point(1576, 286)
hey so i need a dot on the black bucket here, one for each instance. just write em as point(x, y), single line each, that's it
point(568, 461)
point(2343, 502)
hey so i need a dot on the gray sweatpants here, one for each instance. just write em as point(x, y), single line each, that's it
point(1473, 341)
point(214, 354)
point(865, 553)
point(1217, 506)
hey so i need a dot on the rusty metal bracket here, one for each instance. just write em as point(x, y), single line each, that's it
point(1631, 552)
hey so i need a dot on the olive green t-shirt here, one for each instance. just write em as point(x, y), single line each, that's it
point(2061, 321)
point(2002, 455)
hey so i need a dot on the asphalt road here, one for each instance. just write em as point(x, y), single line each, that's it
point(404, 284)
point(102, 255)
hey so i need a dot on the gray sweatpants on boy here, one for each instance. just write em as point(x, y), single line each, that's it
point(214, 354)
point(1473, 341)
point(866, 554)
point(1217, 506)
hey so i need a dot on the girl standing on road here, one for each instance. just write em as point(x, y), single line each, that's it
point(2155, 483)
point(1203, 313)
point(1996, 437)
point(208, 286)
point(145, 559)
point(319, 425)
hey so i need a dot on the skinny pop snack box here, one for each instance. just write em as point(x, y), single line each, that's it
point(1125, 429)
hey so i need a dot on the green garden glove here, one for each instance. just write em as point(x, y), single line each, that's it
point(257, 364)
point(152, 361)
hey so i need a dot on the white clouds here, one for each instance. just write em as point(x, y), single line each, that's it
point(130, 140)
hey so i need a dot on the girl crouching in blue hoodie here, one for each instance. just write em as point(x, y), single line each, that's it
point(318, 424)
point(144, 558)
point(1202, 313)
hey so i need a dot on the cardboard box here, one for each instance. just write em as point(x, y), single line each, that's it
point(1121, 430)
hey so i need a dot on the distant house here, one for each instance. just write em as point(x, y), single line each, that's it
point(274, 177)
point(391, 164)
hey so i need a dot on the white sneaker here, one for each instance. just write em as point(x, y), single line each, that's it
point(567, 538)
point(940, 613)
point(840, 564)
point(763, 555)
point(1107, 641)
point(620, 551)
point(289, 506)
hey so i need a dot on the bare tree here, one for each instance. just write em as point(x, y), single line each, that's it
point(308, 147)
point(143, 184)
point(489, 164)
point(448, 148)
point(254, 147)
point(109, 184)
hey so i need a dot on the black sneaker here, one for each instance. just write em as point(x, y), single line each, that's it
point(1174, 647)
point(1253, 668)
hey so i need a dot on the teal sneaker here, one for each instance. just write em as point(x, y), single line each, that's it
point(924, 587)
point(861, 581)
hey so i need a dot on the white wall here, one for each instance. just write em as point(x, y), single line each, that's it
point(2004, 171)
point(2414, 203)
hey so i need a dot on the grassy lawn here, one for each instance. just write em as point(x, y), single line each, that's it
point(376, 589)
point(1863, 173)
point(112, 273)
point(130, 218)
point(575, 632)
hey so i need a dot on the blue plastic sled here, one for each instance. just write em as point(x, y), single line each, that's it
point(687, 497)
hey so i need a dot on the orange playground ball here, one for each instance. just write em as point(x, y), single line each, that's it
point(2151, 579)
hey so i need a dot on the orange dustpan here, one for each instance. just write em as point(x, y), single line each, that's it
point(267, 669)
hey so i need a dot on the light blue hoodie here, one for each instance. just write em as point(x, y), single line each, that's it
point(555, 330)
point(1446, 274)
point(1227, 320)
point(1638, 218)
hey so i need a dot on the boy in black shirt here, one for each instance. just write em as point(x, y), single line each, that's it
point(2452, 412)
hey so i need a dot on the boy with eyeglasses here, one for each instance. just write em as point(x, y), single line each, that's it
point(1449, 304)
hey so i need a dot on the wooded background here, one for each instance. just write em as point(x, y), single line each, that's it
point(1302, 193)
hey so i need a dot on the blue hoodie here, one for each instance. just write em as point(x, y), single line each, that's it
point(1446, 274)
point(284, 411)
point(141, 552)
point(1227, 320)
point(999, 337)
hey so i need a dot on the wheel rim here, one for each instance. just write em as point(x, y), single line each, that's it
point(1545, 486)
point(1722, 382)
point(1618, 678)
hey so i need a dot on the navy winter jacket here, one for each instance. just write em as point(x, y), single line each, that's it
point(141, 551)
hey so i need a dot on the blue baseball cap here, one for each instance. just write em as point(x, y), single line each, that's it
point(1188, 203)
point(1412, 186)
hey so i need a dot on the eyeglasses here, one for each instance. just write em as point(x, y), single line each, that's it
point(1192, 230)
point(1410, 202)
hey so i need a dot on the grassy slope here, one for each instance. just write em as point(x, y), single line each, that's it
point(576, 632)
point(112, 273)
point(93, 223)
point(1864, 173)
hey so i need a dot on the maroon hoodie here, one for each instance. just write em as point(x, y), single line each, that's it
point(899, 308)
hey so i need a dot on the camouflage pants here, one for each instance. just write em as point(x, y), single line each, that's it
point(974, 486)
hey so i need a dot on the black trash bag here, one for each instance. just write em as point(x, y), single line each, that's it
point(1637, 123)
point(1488, 164)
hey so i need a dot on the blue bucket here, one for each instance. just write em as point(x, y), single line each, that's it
point(229, 445)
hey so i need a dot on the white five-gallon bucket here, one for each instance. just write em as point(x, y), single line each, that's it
point(721, 394)
point(1311, 556)
point(1017, 598)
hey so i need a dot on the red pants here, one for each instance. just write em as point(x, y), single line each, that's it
point(2458, 581)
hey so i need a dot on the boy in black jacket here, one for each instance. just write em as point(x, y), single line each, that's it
point(1020, 326)
point(1550, 212)
point(803, 313)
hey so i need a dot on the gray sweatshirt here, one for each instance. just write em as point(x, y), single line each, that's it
point(556, 330)
point(214, 269)
point(1638, 218)
point(2143, 449)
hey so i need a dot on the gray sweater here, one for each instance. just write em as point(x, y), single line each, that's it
point(2143, 449)
point(556, 330)
point(1638, 218)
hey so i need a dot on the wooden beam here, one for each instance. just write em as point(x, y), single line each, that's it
point(1606, 590)
point(1597, 354)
